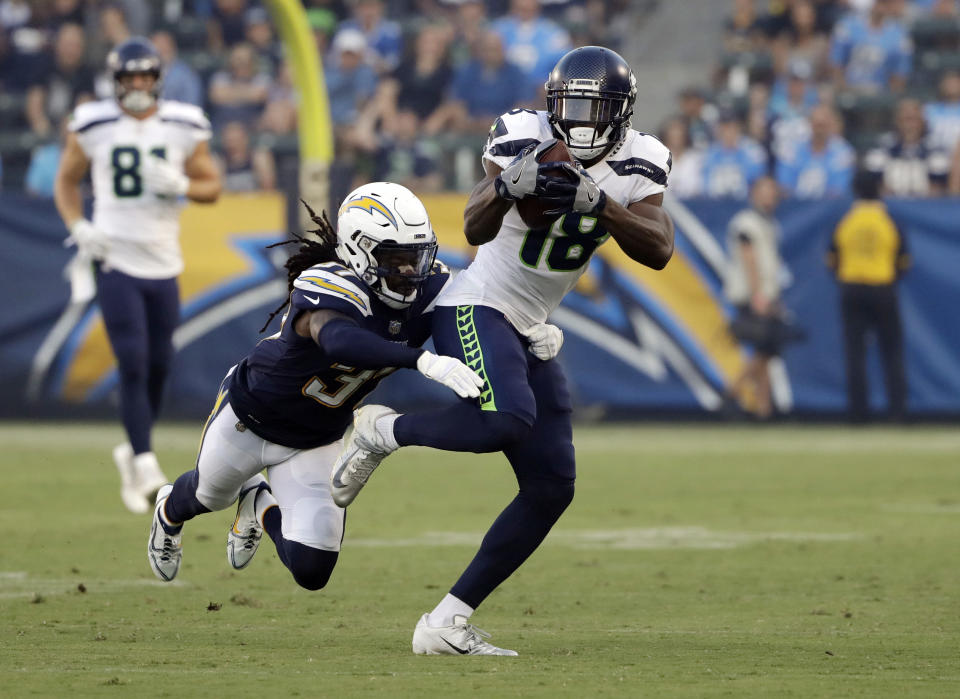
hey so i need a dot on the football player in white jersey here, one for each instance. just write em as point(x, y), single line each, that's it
point(144, 156)
point(494, 315)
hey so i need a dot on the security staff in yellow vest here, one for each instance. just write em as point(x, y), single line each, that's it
point(868, 254)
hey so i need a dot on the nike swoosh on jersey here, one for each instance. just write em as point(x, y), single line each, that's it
point(520, 174)
point(314, 301)
point(461, 651)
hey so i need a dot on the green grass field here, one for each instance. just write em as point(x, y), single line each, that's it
point(695, 561)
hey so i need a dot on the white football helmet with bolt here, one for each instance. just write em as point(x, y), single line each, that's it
point(384, 235)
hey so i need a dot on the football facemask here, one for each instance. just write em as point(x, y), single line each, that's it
point(588, 123)
point(402, 269)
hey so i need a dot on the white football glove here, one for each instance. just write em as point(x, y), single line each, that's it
point(452, 373)
point(545, 340)
point(163, 179)
point(89, 239)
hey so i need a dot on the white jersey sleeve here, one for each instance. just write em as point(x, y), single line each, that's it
point(644, 163)
point(86, 122)
point(514, 131)
point(186, 123)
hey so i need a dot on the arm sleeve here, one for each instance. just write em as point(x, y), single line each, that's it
point(344, 341)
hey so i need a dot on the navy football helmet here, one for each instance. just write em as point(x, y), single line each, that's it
point(136, 55)
point(590, 96)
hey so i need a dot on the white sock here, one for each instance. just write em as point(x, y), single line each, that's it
point(385, 431)
point(265, 501)
point(449, 607)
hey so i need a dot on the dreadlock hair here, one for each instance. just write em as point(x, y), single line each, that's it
point(311, 252)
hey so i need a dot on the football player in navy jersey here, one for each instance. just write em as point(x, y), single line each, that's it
point(360, 306)
point(494, 315)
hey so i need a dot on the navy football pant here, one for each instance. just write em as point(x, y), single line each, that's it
point(524, 411)
point(140, 316)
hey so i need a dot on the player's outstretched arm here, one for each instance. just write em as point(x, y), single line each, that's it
point(485, 209)
point(643, 230)
point(343, 340)
point(205, 184)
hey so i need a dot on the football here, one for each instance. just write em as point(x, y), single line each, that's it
point(531, 209)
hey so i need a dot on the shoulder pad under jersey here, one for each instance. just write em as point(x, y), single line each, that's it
point(331, 285)
point(514, 131)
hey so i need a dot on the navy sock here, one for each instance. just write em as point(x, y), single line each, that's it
point(311, 568)
point(182, 504)
point(461, 427)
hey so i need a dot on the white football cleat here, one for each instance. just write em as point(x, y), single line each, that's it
point(130, 493)
point(463, 638)
point(244, 536)
point(149, 476)
point(361, 455)
point(164, 550)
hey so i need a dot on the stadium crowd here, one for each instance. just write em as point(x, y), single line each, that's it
point(810, 91)
point(807, 91)
point(413, 84)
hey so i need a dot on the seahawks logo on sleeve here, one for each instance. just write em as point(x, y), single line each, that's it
point(331, 285)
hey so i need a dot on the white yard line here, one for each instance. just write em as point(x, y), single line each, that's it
point(631, 539)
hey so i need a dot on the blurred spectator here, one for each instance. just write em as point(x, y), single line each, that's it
point(946, 9)
point(65, 12)
point(871, 53)
point(403, 158)
point(259, 34)
point(954, 182)
point(752, 286)
point(384, 40)
point(868, 254)
point(469, 22)
point(802, 42)
point(245, 170)
point(180, 81)
point(686, 178)
point(14, 14)
point(226, 27)
point(791, 101)
point(65, 80)
point(742, 30)
point(906, 161)
point(483, 89)
point(594, 23)
point(350, 81)
point(7, 65)
point(733, 162)
point(44, 162)
point(823, 165)
point(943, 117)
point(239, 93)
point(695, 111)
point(27, 58)
point(323, 22)
point(532, 43)
point(421, 81)
point(280, 115)
point(113, 26)
point(758, 108)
